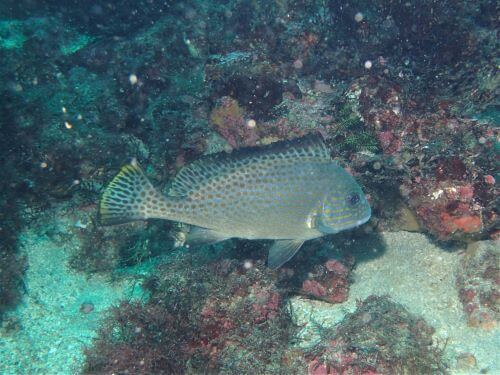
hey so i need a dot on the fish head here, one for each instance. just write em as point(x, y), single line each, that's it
point(345, 208)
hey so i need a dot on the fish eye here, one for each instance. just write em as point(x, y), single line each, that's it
point(353, 199)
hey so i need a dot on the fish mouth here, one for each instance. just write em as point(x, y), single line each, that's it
point(356, 223)
point(362, 221)
point(365, 219)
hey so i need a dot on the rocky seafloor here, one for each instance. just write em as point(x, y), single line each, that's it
point(61, 313)
point(405, 95)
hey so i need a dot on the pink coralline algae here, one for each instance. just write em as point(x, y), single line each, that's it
point(447, 208)
point(246, 300)
point(380, 106)
point(442, 164)
point(380, 337)
point(228, 119)
point(267, 303)
point(328, 282)
point(318, 368)
point(389, 143)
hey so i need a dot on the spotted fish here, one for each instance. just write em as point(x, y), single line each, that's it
point(289, 191)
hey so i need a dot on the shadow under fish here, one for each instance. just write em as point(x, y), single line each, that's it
point(290, 192)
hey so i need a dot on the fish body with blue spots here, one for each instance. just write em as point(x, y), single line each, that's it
point(290, 191)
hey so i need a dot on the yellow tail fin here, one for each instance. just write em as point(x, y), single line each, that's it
point(130, 196)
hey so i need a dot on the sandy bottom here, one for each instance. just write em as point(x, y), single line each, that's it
point(54, 330)
point(420, 276)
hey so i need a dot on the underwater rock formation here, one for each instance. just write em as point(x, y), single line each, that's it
point(478, 284)
point(329, 281)
point(380, 337)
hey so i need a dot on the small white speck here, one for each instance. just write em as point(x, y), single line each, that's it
point(251, 123)
point(435, 195)
point(358, 17)
point(298, 64)
point(368, 64)
point(133, 79)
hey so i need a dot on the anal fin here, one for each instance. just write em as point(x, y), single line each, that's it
point(204, 236)
point(282, 251)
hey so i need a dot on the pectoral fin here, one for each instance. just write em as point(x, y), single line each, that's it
point(282, 251)
point(204, 236)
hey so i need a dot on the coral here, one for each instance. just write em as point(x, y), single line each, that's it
point(380, 337)
point(478, 282)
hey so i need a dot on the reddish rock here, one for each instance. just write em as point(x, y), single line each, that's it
point(314, 288)
point(478, 282)
point(328, 282)
point(317, 368)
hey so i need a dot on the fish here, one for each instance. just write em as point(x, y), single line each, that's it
point(288, 191)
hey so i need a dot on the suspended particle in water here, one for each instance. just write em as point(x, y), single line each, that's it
point(368, 64)
point(298, 64)
point(358, 17)
point(133, 79)
point(68, 125)
point(489, 179)
point(251, 124)
point(247, 264)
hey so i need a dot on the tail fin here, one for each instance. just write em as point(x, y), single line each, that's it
point(130, 196)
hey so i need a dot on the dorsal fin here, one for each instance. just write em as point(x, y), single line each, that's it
point(195, 174)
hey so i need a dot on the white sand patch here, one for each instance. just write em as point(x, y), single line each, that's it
point(54, 330)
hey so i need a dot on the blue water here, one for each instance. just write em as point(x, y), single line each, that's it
point(404, 96)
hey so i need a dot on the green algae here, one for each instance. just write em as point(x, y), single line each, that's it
point(15, 33)
point(12, 35)
point(75, 44)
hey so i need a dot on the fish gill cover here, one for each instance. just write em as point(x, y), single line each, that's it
point(405, 96)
